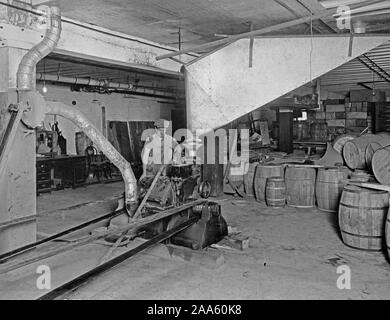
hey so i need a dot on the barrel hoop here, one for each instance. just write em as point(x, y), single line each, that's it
point(269, 188)
point(273, 200)
point(331, 182)
point(361, 236)
point(299, 179)
point(326, 210)
point(365, 191)
point(362, 249)
point(358, 207)
point(297, 206)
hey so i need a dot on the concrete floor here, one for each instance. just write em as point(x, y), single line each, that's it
point(294, 254)
point(296, 257)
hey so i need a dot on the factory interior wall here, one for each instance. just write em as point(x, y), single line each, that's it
point(118, 108)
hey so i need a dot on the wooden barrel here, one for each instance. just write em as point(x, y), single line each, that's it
point(300, 186)
point(249, 179)
point(387, 233)
point(354, 151)
point(263, 172)
point(362, 176)
point(362, 215)
point(341, 140)
point(329, 187)
point(381, 165)
point(275, 192)
point(345, 169)
point(382, 141)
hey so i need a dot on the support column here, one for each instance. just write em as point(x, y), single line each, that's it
point(285, 130)
point(17, 183)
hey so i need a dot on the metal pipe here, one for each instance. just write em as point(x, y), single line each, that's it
point(26, 70)
point(89, 275)
point(81, 121)
point(102, 83)
point(11, 254)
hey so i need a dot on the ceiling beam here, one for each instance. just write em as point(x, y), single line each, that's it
point(284, 25)
point(289, 9)
point(276, 27)
point(322, 20)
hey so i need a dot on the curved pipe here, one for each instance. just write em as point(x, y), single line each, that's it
point(26, 70)
point(79, 119)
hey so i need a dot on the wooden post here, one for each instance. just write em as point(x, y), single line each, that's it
point(286, 130)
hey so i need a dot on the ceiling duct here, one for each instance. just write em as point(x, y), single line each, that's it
point(26, 70)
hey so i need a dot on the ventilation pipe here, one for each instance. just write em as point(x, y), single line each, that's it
point(79, 119)
point(26, 79)
point(26, 70)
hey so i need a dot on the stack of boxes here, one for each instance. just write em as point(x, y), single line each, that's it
point(342, 117)
point(356, 116)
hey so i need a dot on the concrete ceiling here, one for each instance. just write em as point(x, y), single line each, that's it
point(198, 20)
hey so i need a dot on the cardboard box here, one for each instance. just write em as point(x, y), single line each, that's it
point(366, 96)
point(340, 115)
point(320, 115)
point(330, 115)
point(336, 123)
point(357, 115)
point(335, 108)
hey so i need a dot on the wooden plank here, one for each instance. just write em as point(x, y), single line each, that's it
point(264, 132)
point(375, 186)
point(112, 136)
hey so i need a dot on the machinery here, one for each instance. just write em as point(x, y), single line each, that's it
point(181, 185)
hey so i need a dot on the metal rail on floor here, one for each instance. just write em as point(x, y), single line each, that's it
point(8, 255)
point(88, 276)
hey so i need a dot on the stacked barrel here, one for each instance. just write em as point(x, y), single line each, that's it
point(363, 213)
point(364, 217)
point(369, 154)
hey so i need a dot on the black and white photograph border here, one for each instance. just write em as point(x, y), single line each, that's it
point(195, 155)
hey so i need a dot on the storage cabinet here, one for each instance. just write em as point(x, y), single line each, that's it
point(43, 177)
point(70, 170)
